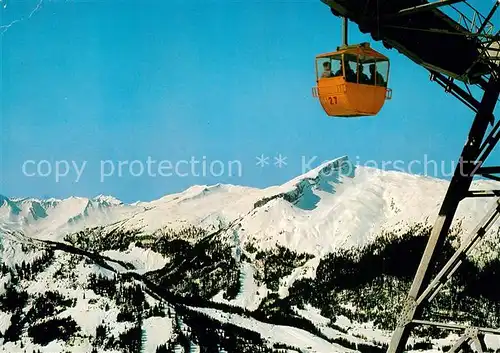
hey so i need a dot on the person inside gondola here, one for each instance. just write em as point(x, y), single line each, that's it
point(327, 69)
point(376, 78)
point(339, 72)
point(350, 74)
point(363, 78)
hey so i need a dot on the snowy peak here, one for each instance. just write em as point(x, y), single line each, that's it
point(327, 171)
point(107, 201)
point(3, 199)
point(304, 191)
point(11, 207)
point(36, 215)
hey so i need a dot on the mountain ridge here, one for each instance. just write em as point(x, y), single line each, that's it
point(328, 196)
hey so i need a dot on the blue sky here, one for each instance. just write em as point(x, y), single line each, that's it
point(93, 81)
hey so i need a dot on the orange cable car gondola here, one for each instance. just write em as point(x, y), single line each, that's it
point(343, 87)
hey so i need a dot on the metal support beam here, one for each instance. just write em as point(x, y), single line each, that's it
point(486, 53)
point(344, 31)
point(492, 177)
point(458, 189)
point(488, 170)
point(419, 8)
point(456, 327)
point(457, 347)
point(488, 18)
point(456, 90)
point(480, 343)
point(454, 262)
point(483, 193)
point(470, 336)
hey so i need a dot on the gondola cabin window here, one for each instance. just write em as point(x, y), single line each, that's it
point(329, 67)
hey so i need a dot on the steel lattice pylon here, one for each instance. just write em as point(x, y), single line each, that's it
point(478, 147)
point(475, 152)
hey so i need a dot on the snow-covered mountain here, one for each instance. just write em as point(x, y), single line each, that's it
point(331, 206)
point(267, 262)
point(35, 216)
